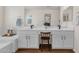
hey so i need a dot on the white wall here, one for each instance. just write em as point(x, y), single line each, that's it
point(38, 16)
point(1, 19)
point(76, 28)
point(12, 12)
point(11, 15)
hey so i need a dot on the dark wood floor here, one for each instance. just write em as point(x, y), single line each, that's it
point(43, 51)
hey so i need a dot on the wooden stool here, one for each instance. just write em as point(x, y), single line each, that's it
point(45, 36)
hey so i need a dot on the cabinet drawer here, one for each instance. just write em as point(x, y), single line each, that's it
point(27, 32)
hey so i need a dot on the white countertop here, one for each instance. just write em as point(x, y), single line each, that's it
point(48, 29)
point(9, 38)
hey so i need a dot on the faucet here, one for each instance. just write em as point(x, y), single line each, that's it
point(31, 26)
point(59, 26)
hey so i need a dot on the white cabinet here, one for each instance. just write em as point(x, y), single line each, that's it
point(28, 39)
point(62, 39)
point(22, 41)
point(57, 39)
point(68, 37)
point(33, 41)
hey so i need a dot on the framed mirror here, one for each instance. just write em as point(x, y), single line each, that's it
point(47, 19)
point(29, 19)
point(19, 21)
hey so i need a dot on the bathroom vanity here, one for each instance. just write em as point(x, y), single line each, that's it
point(61, 38)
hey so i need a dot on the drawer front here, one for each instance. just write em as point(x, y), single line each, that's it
point(27, 32)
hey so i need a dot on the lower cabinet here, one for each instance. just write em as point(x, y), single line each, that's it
point(57, 40)
point(68, 39)
point(33, 41)
point(28, 39)
point(22, 41)
point(62, 40)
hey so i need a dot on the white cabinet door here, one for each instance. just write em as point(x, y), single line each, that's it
point(23, 42)
point(23, 39)
point(28, 39)
point(57, 41)
point(33, 41)
point(68, 39)
point(63, 39)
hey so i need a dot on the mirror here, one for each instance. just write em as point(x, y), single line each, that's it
point(47, 18)
point(67, 14)
point(19, 21)
point(29, 19)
